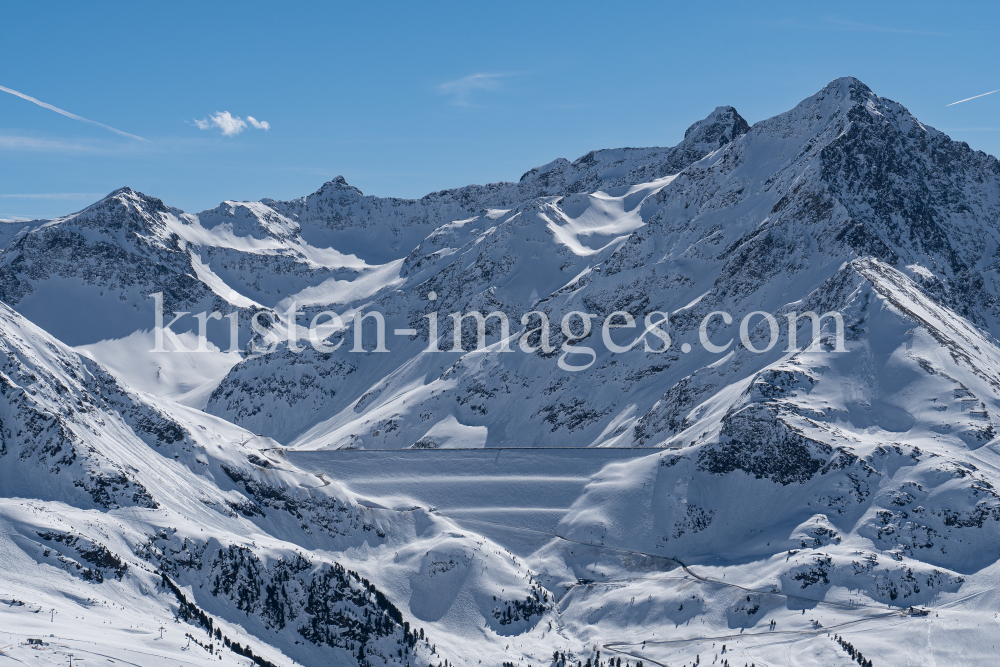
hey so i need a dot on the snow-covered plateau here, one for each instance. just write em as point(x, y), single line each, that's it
point(667, 505)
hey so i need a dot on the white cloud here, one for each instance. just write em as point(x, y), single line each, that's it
point(55, 195)
point(229, 124)
point(14, 142)
point(259, 124)
point(973, 97)
point(45, 105)
point(867, 27)
point(461, 89)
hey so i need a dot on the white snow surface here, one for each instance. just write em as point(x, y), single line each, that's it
point(483, 507)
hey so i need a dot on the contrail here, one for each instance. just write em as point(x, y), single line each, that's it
point(973, 97)
point(68, 114)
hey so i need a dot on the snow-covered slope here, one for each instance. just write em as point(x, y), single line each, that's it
point(112, 498)
point(759, 225)
point(784, 507)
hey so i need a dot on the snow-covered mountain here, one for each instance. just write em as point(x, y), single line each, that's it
point(792, 506)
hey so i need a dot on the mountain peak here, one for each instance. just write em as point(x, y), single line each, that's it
point(841, 93)
point(559, 165)
point(124, 190)
point(848, 95)
point(124, 208)
point(127, 196)
point(337, 184)
point(848, 86)
point(829, 112)
point(719, 128)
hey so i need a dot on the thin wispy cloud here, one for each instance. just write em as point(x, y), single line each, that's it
point(15, 142)
point(973, 97)
point(969, 129)
point(30, 143)
point(54, 195)
point(867, 27)
point(68, 114)
point(460, 90)
point(229, 124)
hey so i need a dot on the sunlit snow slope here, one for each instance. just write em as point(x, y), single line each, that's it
point(674, 505)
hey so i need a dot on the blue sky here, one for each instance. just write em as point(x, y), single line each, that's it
point(407, 99)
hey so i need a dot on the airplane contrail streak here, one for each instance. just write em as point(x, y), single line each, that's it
point(973, 97)
point(68, 114)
